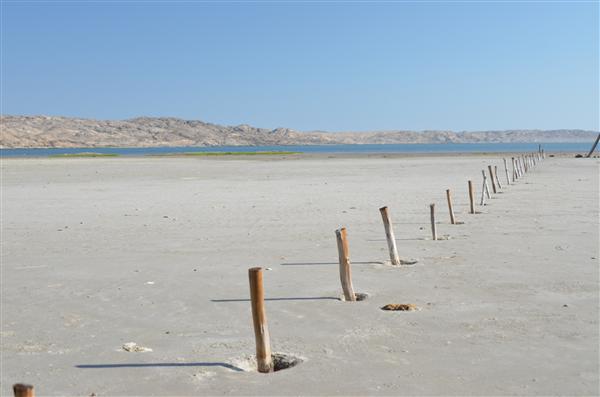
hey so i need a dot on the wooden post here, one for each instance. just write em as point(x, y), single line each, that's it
point(482, 201)
point(496, 175)
point(593, 147)
point(492, 178)
point(344, 257)
point(432, 214)
point(452, 219)
point(486, 189)
point(23, 390)
point(471, 198)
point(520, 165)
point(514, 170)
point(259, 317)
point(506, 172)
point(389, 235)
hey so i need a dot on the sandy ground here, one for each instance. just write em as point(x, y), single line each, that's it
point(100, 252)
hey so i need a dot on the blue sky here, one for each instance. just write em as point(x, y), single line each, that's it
point(307, 65)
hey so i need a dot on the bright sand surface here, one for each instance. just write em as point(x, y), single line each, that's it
point(100, 252)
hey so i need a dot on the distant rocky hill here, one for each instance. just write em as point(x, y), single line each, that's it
point(46, 131)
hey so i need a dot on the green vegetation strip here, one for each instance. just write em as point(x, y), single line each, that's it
point(84, 155)
point(228, 154)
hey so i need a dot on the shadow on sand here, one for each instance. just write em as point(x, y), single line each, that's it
point(308, 298)
point(329, 263)
point(146, 365)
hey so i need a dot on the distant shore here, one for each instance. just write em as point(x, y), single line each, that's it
point(275, 150)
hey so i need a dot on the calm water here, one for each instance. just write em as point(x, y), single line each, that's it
point(399, 148)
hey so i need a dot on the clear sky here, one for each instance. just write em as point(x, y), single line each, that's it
point(307, 65)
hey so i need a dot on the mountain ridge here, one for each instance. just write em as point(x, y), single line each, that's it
point(62, 132)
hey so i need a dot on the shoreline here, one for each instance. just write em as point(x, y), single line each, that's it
point(286, 156)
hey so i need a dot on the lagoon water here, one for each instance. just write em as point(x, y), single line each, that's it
point(391, 148)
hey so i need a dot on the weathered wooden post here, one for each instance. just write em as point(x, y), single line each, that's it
point(514, 170)
point(259, 317)
point(506, 172)
point(492, 178)
point(496, 176)
point(593, 147)
point(520, 165)
point(344, 258)
point(486, 189)
point(483, 187)
point(432, 215)
point(449, 198)
point(23, 390)
point(389, 235)
point(471, 198)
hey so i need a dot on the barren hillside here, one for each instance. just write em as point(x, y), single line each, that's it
point(46, 131)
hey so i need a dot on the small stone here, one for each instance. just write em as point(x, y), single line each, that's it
point(135, 348)
point(403, 307)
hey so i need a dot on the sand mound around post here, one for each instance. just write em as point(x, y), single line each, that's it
point(360, 296)
point(281, 361)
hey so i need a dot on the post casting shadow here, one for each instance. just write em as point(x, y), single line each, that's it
point(144, 365)
point(399, 239)
point(310, 298)
point(328, 263)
